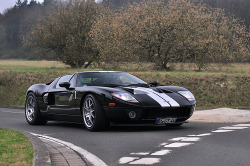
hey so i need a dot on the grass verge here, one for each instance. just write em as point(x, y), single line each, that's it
point(15, 148)
point(229, 87)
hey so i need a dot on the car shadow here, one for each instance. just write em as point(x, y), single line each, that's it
point(119, 127)
point(65, 124)
point(141, 128)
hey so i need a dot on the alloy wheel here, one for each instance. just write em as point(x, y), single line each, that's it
point(30, 108)
point(89, 112)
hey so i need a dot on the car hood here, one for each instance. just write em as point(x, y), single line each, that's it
point(165, 96)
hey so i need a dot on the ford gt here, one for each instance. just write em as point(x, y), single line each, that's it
point(96, 98)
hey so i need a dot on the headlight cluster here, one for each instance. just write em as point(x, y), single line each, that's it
point(125, 97)
point(187, 94)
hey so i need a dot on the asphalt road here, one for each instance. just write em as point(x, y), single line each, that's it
point(192, 144)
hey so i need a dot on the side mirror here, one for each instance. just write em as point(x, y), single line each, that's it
point(154, 83)
point(64, 84)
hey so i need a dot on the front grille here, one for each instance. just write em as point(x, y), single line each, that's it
point(167, 112)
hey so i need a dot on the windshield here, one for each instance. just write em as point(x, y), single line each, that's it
point(111, 79)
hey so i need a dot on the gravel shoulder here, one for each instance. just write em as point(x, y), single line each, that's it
point(221, 115)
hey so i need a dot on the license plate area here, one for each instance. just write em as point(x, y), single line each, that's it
point(165, 121)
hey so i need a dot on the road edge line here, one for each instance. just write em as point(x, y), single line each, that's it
point(88, 157)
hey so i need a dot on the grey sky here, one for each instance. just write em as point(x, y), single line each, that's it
point(4, 4)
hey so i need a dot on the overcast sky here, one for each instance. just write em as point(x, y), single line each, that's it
point(4, 4)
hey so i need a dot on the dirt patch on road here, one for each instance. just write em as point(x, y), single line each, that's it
point(221, 115)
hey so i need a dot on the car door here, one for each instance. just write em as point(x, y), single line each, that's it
point(63, 99)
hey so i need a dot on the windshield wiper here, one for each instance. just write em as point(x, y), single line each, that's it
point(139, 84)
point(112, 85)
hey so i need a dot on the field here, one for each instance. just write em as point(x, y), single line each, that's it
point(226, 86)
point(15, 148)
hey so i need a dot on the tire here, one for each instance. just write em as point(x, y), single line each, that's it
point(94, 118)
point(32, 112)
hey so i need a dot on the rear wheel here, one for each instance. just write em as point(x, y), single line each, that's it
point(94, 118)
point(32, 111)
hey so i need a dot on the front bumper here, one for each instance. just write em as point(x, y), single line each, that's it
point(147, 115)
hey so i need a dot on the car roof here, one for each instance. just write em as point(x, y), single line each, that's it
point(101, 72)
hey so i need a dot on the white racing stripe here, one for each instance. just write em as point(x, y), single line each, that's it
point(162, 102)
point(172, 102)
point(92, 159)
point(163, 99)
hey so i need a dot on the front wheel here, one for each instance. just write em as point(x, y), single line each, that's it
point(94, 118)
point(32, 111)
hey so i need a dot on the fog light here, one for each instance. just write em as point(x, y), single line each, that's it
point(193, 108)
point(132, 114)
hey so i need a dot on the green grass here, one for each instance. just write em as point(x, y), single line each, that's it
point(15, 148)
point(227, 86)
point(236, 69)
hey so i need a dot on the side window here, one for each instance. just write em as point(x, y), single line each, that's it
point(88, 80)
point(63, 79)
point(73, 81)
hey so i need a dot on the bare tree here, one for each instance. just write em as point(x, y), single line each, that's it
point(179, 31)
point(65, 32)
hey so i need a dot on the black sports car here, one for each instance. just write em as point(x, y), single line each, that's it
point(97, 98)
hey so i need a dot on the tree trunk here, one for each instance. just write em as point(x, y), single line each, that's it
point(88, 64)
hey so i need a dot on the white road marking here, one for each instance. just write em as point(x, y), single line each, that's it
point(233, 128)
point(177, 145)
point(200, 135)
point(140, 153)
point(221, 131)
point(146, 161)
point(242, 125)
point(188, 139)
point(85, 154)
point(52, 141)
point(125, 160)
point(13, 112)
point(185, 139)
point(163, 144)
point(161, 152)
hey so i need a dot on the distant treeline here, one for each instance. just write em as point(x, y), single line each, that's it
point(239, 8)
point(17, 22)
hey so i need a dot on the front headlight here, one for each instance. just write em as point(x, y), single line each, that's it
point(125, 97)
point(187, 94)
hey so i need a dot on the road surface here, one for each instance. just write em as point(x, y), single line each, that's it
point(194, 143)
